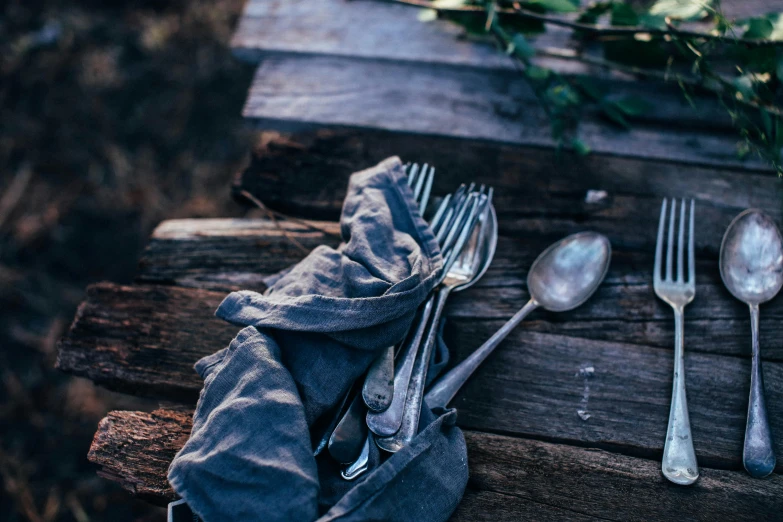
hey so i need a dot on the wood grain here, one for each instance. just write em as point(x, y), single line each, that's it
point(145, 340)
point(228, 254)
point(539, 193)
point(233, 254)
point(510, 479)
point(384, 31)
point(293, 93)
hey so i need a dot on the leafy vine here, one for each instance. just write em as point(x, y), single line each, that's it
point(688, 42)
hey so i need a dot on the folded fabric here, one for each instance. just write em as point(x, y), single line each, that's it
point(308, 338)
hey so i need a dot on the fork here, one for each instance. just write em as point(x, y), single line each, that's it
point(679, 459)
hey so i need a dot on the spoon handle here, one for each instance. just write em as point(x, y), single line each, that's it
point(447, 386)
point(378, 389)
point(386, 423)
point(409, 426)
point(679, 459)
point(758, 456)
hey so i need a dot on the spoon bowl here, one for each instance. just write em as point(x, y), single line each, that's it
point(567, 273)
point(751, 258)
point(563, 277)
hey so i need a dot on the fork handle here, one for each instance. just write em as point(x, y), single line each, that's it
point(679, 459)
point(758, 456)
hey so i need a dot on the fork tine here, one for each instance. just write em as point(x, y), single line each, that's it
point(466, 230)
point(691, 253)
point(425, 197)
point(413, 171)
point(438, 218)
point(456, 225)
point(670, 245)
point(420, 182)
point(483, 220)
point(681, 244)
point(659, 245)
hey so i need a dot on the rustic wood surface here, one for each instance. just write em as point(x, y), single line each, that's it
point(383, 31)
point(510, 478)
point(394, 86)
point(303, 92)
point(539, 194)
point(144, 339)
point(624, 308)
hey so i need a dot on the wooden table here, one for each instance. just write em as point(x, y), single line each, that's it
point(345, 100)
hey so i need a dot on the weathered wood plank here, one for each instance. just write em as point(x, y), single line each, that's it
point(422, 99)
point(145, 340)
point(228, 254)
point(391, 32)
point(510, 479)
point(232, 254)
point(539, 194)
point(369, 30)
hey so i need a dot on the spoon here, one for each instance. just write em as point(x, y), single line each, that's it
point(751, 266)
point(563, 277)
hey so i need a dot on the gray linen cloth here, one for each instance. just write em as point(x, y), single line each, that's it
point(306, 340)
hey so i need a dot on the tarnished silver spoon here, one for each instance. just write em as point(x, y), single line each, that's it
point(563, 277)
point(751, 266)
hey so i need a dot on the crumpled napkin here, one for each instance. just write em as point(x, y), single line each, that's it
point(307, 339)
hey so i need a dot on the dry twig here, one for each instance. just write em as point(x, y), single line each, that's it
point(273, 215)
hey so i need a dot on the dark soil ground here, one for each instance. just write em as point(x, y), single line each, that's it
point(113, 116)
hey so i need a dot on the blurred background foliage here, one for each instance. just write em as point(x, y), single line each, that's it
point(114, 115)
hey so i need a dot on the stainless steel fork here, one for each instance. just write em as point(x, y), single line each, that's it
point(679, 459)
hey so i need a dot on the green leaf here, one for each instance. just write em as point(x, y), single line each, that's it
point(632, 105)
point(777, 26)
point(745, 86)
point(759, 28)
point(594, 12)
point(743, 149)
point(580, 147)
point(653, 21)
point(591, 87)
point(681, 9)
point(427, 15)
point(448, 3)
point(521, 48)
point(623, 14)
point(614, 114)
point(537, 73)
point(562, 96)
point(557, 6)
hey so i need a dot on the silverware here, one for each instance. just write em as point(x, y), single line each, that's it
point(469, 263)
point(360, 465)
point(348, 431)
point(563, 277)
point(345, 443)
point(751, 266)
point(448, 225)
point(378, 386)
point(679, 459)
